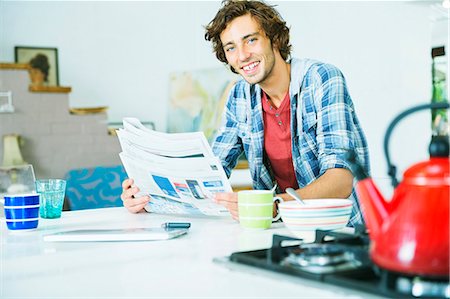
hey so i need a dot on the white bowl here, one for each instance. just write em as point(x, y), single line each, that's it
point(324, 214)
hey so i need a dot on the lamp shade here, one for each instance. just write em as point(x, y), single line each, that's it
point(11, 150)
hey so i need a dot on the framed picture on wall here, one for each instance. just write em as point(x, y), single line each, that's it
point(43, 62)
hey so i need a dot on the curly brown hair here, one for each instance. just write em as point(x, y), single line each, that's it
point(268, 18)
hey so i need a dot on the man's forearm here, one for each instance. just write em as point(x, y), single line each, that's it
point(334, 183)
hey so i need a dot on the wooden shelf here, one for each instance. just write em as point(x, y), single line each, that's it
point(242, 164)
point(54, 89)
point(88, 110)
point(241, 188)
point(32, 88)
point(14, 66)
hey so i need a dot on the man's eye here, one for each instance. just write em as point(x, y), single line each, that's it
point(229, 49)
point(251, 40)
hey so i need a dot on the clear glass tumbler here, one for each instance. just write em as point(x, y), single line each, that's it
point(51, 193)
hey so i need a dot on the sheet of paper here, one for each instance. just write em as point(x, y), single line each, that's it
point(178, 171)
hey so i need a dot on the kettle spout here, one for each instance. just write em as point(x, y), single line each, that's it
point(374, 206)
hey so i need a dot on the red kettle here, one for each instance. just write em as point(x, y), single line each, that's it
point(410, 233)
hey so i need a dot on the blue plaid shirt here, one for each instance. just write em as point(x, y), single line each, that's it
point(323, 127)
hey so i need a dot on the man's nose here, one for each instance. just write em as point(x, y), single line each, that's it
point(244, 54)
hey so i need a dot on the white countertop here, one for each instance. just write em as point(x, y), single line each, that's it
point(177, 268)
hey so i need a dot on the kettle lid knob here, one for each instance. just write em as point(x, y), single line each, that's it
point(439, 146)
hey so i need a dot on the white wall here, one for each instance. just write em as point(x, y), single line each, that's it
point(116, 54)
point(119, 54)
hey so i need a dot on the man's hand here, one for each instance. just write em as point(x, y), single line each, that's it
point(133, 205)
point(230, 201)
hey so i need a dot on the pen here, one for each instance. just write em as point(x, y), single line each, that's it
point(176, 225)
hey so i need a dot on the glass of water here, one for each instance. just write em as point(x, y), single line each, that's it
point(51, 192)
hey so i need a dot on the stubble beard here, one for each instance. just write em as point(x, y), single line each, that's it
point(269, 65)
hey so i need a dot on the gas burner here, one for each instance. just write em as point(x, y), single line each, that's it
point(322, 258)
point(322, 255)
point(423, 288)
point(341, 259)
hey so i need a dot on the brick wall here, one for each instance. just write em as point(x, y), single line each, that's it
point(55, 141)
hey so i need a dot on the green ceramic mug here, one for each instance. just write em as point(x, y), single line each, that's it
point(256, 208)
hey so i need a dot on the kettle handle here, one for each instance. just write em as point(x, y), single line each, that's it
point(392, 169)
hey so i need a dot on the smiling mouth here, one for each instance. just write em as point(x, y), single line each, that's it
point(250, 67)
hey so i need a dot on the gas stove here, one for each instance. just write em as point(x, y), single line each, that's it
point(341, 259)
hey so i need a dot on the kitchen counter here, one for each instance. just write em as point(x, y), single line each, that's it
point(182, 267)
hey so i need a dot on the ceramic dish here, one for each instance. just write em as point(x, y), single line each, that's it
point(325, 214)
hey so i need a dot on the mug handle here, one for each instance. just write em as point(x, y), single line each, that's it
point(278, 200)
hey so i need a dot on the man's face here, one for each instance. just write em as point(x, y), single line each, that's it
point(248, 50)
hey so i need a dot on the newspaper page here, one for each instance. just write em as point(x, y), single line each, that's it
point(178, 170)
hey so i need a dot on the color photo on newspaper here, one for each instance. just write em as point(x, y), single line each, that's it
point(190, 196)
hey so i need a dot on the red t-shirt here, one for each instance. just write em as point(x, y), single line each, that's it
point(277, 141)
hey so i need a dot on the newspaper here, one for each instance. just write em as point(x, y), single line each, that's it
point(178, 170)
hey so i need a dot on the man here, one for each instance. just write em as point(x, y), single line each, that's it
point(294, 119)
